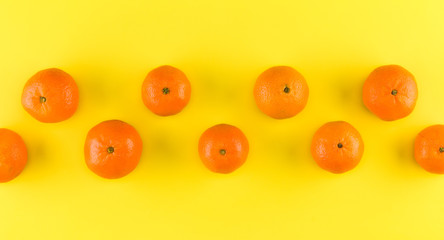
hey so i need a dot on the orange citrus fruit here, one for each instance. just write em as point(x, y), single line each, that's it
point(337, 147)
point(166, 91)
point(223, 148)
point(112, 149)
point(281, 92)
point(429, 149)
point(51, 95)
point(390, 92)
point(13, 155)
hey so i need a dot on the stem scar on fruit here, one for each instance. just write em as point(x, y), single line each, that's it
point(286, 89)
point(340, 145)
point(165, 90)
point(222, 152)
point(394, 92)
point(110, 149)
point(441, 149)
point(42, 99)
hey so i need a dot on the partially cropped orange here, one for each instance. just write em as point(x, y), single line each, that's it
point(13, 155)
point(281, 92)
point(51, 95)
point(390, 92)
point(337, 147)
point(429, 149)
point(112, 149)
point(223, 148)
point(166, 91)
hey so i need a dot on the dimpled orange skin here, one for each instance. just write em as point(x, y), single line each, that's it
point(337, 147)
point(223, 148)
point(390, 92)
point(13, 155)
point(51, 95)
point(112, 149)
point(429, 149)
point(166, 91)
point(281, 92)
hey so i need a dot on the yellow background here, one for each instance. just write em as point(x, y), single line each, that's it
point(222, 46)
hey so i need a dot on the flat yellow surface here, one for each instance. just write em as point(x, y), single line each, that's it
point(222, 46)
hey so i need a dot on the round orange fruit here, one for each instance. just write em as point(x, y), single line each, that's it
point(337, 147)
point(429, 149)
point(223, 148)
point(166, 91)
point(13, 155)
point(112, 149)
point(390, 92)
point(281, 92)
point(51, 95)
